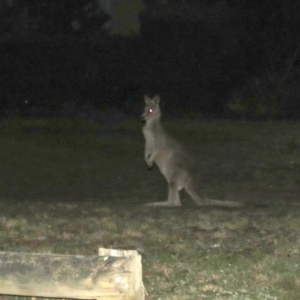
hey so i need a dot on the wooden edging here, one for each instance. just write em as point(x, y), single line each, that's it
point(114, 274)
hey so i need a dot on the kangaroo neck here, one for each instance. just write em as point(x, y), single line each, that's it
point(154, 124)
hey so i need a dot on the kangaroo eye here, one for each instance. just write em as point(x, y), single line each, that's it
point(150, 110)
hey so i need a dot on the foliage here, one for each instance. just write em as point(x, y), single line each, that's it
point(254, 108)
point(255, 101)
point(126, 15)
point(30, 18)
point(270, 32)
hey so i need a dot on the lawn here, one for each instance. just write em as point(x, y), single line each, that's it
point(70, 186)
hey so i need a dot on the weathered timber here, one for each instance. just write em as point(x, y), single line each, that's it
point(72, 276)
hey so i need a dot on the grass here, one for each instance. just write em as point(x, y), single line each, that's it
point(71, 187)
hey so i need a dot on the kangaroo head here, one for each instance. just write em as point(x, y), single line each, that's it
point(152, 110)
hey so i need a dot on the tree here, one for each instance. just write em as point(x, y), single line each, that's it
point(51, 17)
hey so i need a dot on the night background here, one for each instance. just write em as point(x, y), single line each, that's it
point(73, 75)
point(220, 59)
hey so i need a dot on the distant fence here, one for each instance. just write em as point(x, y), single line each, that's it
point(114, 274)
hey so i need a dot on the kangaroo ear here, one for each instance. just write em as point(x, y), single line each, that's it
point(156, 100)
point(147, 100)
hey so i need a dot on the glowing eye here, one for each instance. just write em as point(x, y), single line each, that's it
point(150, 110)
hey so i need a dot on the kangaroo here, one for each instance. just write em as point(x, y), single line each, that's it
point(173, 161)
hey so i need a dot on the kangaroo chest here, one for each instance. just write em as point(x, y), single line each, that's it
point(154, 136)
point(149, 136)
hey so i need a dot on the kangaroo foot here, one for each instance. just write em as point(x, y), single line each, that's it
point(164, 203)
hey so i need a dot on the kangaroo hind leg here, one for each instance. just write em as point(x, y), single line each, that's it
point(191, 189)
point(173, 197)
point(173, 194)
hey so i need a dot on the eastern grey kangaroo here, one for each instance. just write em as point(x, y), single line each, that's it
point(174, 162)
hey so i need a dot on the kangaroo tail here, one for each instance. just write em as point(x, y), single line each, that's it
point(222, 203)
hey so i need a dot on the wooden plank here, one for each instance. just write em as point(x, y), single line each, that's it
point(68, 276)
point(134, 267)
